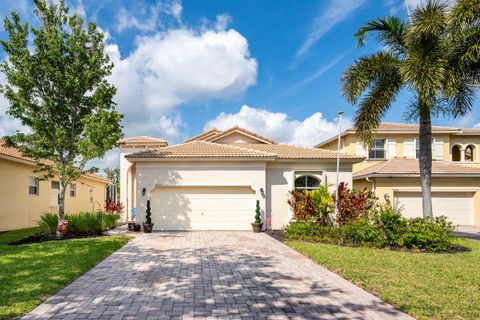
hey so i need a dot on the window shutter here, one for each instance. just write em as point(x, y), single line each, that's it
point(360, 149)
point(409, 148)
point(391, 148)
point(438, 149)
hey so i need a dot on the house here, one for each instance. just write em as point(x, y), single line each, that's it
point(24, 198)
point(391, 168)
point(213, 180)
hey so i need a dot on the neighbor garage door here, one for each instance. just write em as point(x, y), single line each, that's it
point(457, 206)
point(203, 208)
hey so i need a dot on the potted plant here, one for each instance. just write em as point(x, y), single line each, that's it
point(136, 227)
point(148, 225)
point(257, 225)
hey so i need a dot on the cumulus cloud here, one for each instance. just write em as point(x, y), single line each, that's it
point(181, 65)
point(276, 125)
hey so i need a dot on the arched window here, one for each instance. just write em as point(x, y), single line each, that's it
point(456, 153)
point(307, 183)
point(470, 153)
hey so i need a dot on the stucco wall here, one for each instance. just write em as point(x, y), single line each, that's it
point(19, 209)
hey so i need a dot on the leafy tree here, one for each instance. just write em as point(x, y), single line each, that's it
point(57, 88)
point(436, 56)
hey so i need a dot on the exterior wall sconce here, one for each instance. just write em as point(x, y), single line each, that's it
point(262, 192)
point(144, 191)
point(387, 197)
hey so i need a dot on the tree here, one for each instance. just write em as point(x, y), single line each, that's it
point(114, 175)
point(436, 56)
point(57, 87)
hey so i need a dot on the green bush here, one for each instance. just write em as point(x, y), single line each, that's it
point(363, 232)
point(311, 231)
point(80, 224)
point(390, 221)
point(433, 234)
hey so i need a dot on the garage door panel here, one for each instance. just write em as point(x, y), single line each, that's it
point(203, 208)
point(456, 206)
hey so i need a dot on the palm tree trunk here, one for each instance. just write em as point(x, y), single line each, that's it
point(425, 162)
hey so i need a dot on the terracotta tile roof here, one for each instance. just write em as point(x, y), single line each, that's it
point(287, 151)
point(241, 130)
point(143, 140)
point(390, 127)
point(16, 154)
point(204, 135)
point(200, 150)
point(205, 149)
point(401, 167)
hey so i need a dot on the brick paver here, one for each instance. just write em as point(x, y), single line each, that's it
point(227, 275)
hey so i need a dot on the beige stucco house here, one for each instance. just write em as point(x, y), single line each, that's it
point(391, 168)
point(23, 198)
point(213, 180)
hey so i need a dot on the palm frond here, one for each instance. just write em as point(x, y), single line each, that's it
point(366, 70)
point(389, 30)
point(376, 103)
point(465, 13)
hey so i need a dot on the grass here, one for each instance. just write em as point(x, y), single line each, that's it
point(425, 285)
point(30, 273)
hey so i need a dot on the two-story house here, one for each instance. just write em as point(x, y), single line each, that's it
point(391, 169)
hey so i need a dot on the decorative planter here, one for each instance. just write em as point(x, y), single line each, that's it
point(257, 227)
point(136, 227)
point(131, 225)
point(147, 228)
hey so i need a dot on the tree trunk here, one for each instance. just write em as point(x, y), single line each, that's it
point(425, 162)
point(61, 200)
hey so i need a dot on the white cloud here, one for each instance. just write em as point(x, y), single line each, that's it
point(334, 13)
point(148, 18)
point(276, 125)
point(175, 67)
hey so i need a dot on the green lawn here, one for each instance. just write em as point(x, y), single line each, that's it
point(425, 285)
point(30, 273)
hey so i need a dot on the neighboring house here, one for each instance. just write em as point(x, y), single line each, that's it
point(23, 198)
point(212, 181)
point(391, 168)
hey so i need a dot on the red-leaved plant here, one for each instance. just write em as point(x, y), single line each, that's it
point(112, 206)
point(353, 204)
point(302, 205)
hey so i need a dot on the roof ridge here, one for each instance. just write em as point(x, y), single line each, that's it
point(238, 147)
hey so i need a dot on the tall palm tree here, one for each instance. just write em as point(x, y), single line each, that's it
point(435, 55)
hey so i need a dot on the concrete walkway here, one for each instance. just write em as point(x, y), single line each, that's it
point(468, 232)
point(227, 275)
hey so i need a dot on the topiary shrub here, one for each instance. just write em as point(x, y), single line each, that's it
point(148, 216)
point(257, 213)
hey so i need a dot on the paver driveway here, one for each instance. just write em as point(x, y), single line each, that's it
point(211, 274)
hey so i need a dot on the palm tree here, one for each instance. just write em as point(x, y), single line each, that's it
point(435, 55)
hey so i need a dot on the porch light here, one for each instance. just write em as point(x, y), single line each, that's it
point(144, 191)
point(262, 192)
point(387, 197)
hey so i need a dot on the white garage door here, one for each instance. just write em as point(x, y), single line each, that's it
point(203, 208)
point(457, 206)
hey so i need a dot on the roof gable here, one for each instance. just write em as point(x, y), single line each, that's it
point(237, 132)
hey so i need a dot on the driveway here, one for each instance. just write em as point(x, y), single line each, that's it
point(468, 232)
point(228, 275)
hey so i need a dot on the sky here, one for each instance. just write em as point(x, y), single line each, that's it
point(273, 67)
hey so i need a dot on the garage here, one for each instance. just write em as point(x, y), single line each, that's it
point(456, 206)
point(203, 208)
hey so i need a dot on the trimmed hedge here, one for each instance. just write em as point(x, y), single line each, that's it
point(82, 224)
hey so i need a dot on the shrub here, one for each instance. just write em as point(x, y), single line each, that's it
point(363, 232)
point(148, 216)
point(80, 224)
point(353, 204)
point(257, 212)
point(48, 223)
point(311, 231)
point(113, 206)
point(301, 203)
point(389, 219)
point(433, 234)
point(312, 205)
point(323, 203)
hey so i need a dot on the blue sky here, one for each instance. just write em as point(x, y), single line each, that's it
point(271, 66)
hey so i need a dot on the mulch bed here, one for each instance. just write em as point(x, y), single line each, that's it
point(36, 238)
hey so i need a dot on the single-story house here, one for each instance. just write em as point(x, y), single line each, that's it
point(391, 169)
point(24, 198)
point(213, 180)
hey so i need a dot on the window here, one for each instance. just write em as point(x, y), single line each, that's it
point(73, 189)
point(377, 150)
point(307, 183)
point(55, 193)
point(469, 153)
point(417, 148)
point(33, 185)
point(456, 153)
